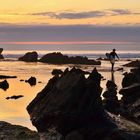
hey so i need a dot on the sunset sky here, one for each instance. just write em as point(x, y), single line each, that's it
point(100, 12)
point(57, 20)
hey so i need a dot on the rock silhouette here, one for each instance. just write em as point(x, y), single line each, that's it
point(32, 81)
point(59, 58)
point(7, 77)
point(15, 97)
point(131, 95)
point(57, 72)
point(71, 105)
point(16, 132)
point(111, 102)
point(1, 56)
point(4, 85)
point(29, 57)
point(135, 63)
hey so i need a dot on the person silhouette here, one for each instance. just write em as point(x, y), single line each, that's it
point(112, 56)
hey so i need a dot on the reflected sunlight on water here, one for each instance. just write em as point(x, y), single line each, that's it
point(14, 111)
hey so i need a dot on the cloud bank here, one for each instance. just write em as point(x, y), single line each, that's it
point(86, 14)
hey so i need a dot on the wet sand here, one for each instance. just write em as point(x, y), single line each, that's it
point(14, 111)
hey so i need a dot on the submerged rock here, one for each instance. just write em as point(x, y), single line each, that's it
point(71, 106)
point(4, 85)
point(16, 132)
point(15, 97)
point(31, 81)
point(29, 57)
point(7, 77)
point(58, 58)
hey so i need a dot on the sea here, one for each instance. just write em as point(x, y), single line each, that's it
point(14, 111)
point(91, 54)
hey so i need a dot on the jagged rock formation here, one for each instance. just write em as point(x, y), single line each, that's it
point(29, 57)
point(111, 102)
point(70, 105)
point(131, 102)
point(16, 132)
point(131, 95)
point(58, 58)
point(4, 85)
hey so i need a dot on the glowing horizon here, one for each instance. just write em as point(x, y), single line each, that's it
point(71, 12)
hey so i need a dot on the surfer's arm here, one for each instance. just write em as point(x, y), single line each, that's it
point(117, 56)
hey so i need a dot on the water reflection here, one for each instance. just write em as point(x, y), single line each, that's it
point(14, 111)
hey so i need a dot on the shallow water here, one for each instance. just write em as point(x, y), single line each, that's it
point(14, 111)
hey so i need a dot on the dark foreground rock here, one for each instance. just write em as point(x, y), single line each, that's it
point(58, 58)
point(29, 57)
point(133, 64)
point(131, 102)
point(16, 132)
point(4, 85)
point(31, 81)
point(70, 105)
point(131, 95)
point(15, 97)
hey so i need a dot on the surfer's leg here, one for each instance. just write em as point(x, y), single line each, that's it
point(112, 69)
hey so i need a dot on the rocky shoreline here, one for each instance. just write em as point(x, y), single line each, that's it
point(16, 132)
point(58, 58)
point(71, 106)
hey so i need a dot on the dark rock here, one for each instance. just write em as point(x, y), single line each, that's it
point(1, 56)
point(31, 81)
point(1, 50)
point(68, 102)
point(111, 102)
point(131, 102)
point(131, 78)
point(15, 97)
point(16, 132)
point(133, 64)
point(120, 69)
point(71, 105)
point(58, 58)
point(100, 58)
point(57, 72)
point(4, 85)
point(29, 57)
point(7, 77)
point(21, 80)
point(131, 95)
